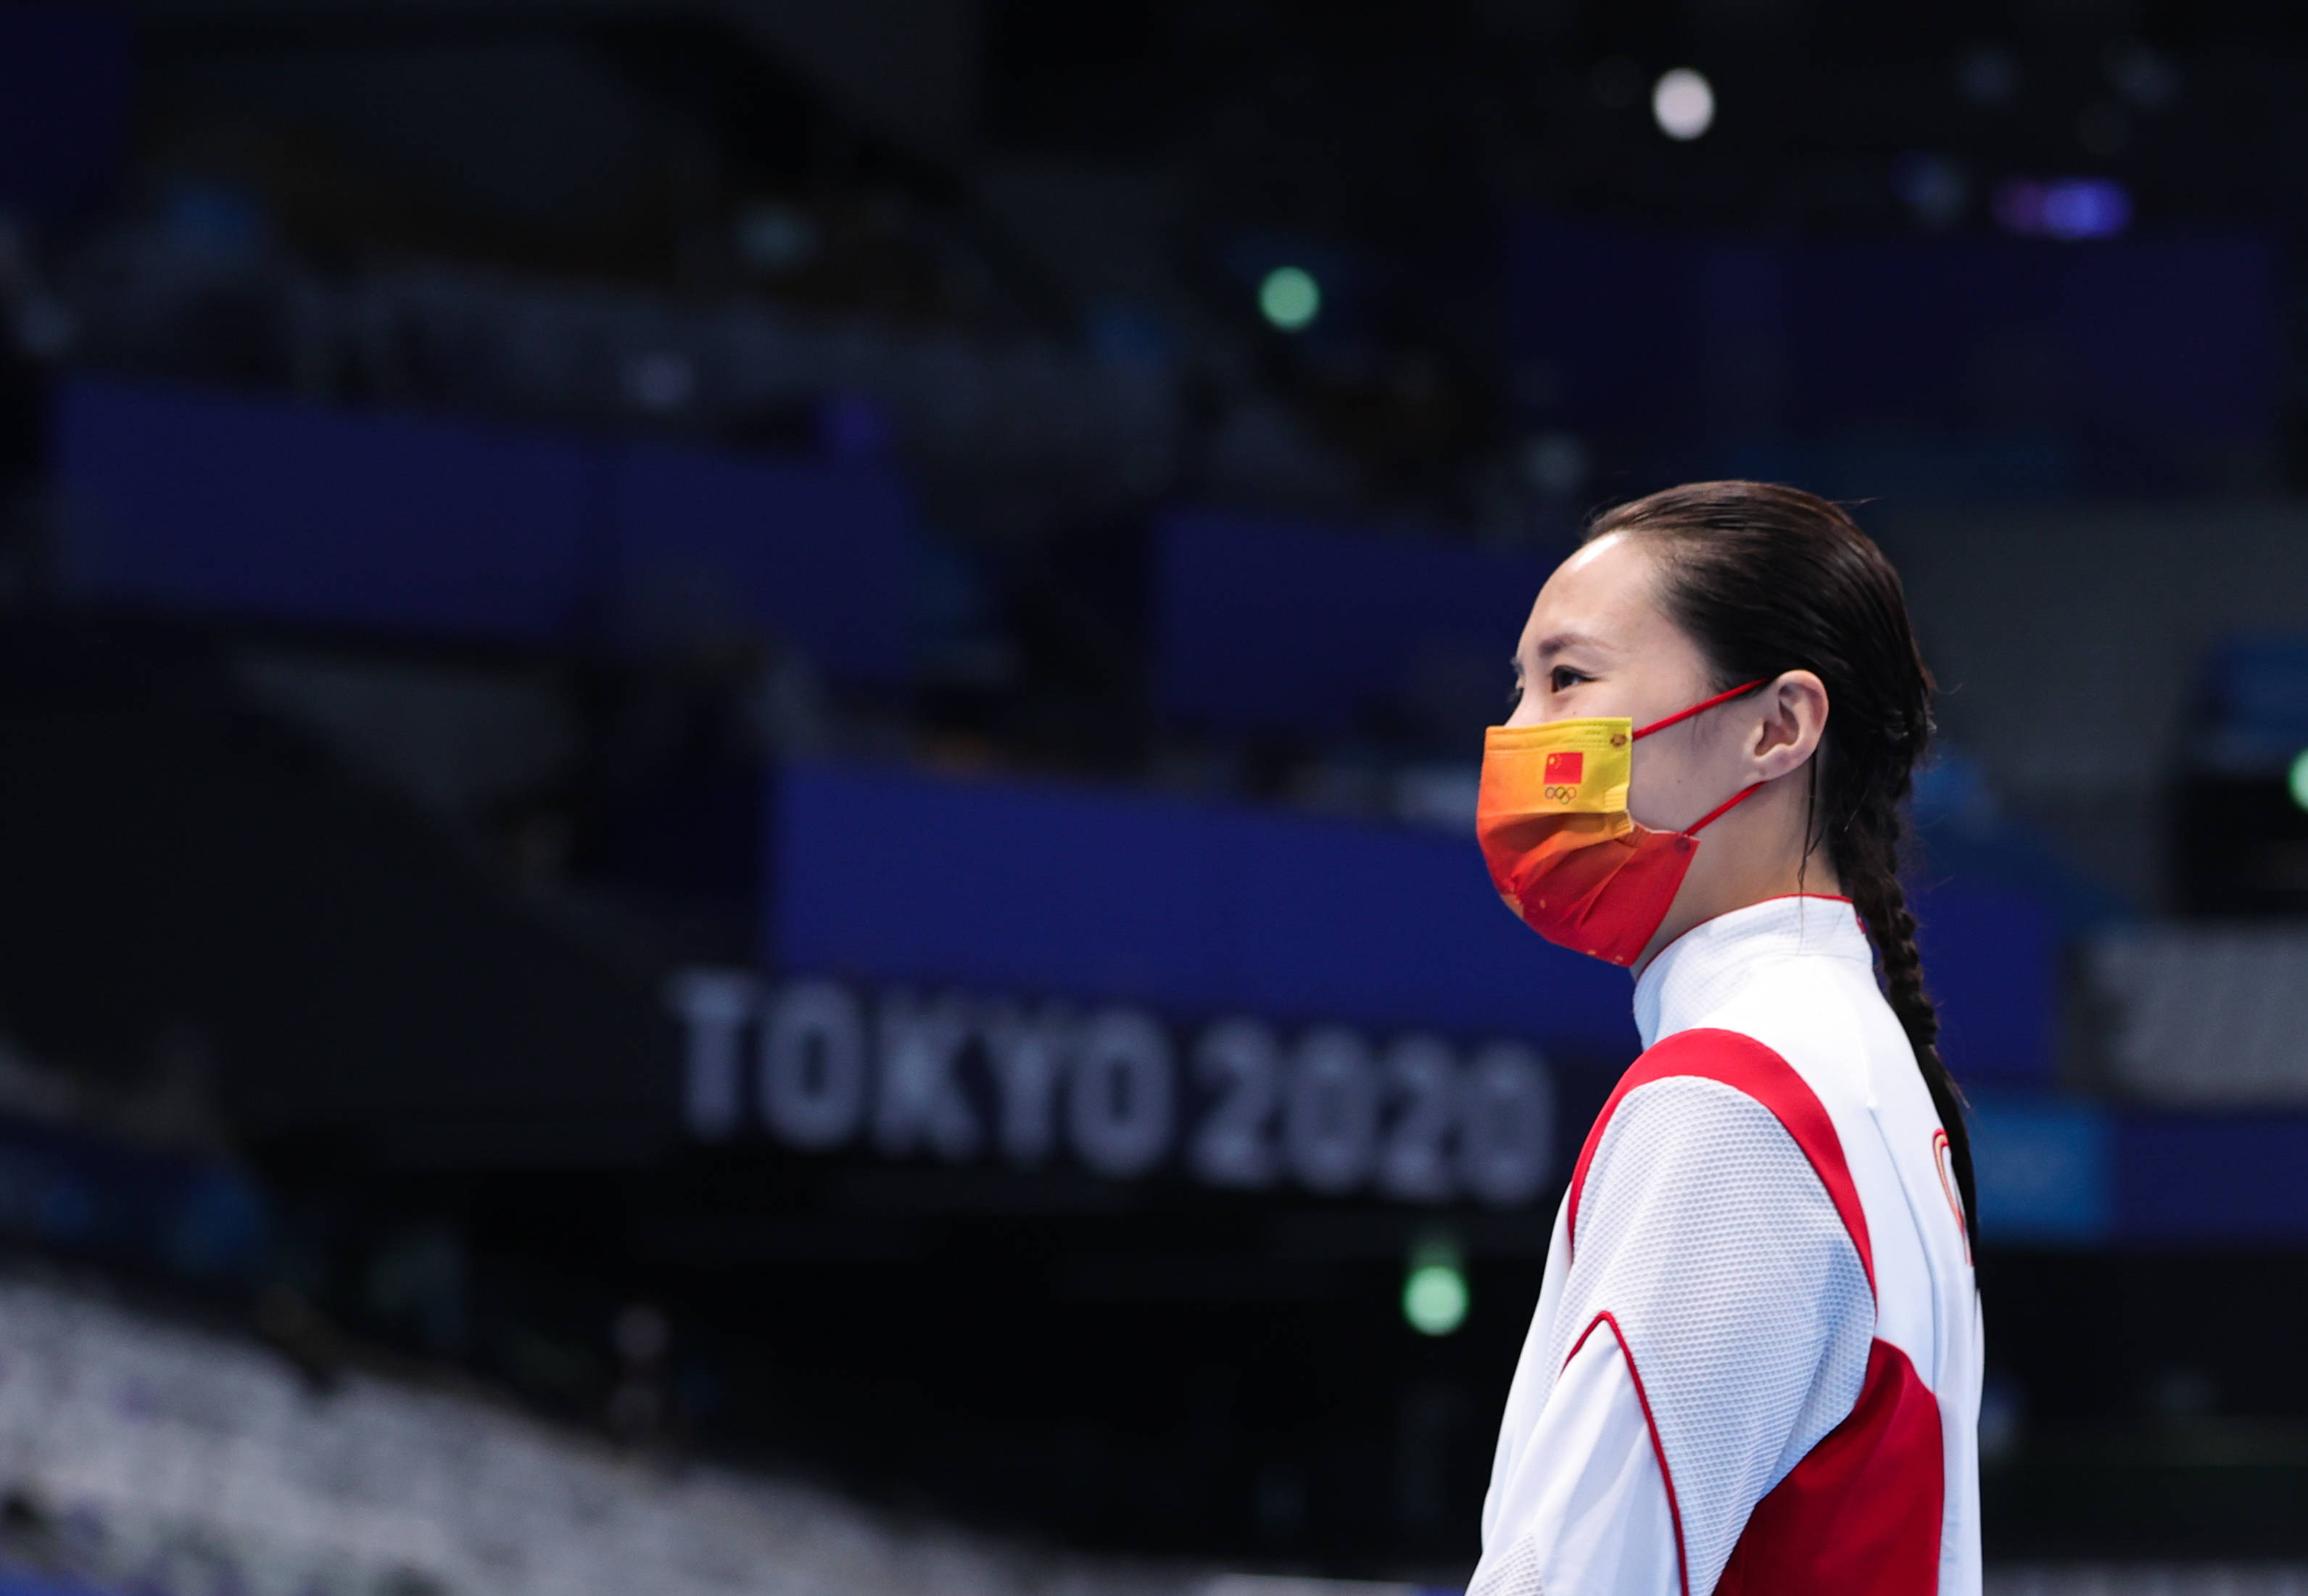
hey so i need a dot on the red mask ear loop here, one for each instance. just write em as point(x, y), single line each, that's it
point(1702, 707)
point(1723, 809)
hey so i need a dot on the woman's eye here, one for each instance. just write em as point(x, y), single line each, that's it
point(1562, 678)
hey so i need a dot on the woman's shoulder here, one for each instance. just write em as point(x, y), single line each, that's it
point(1719, 1097)
point(1825, 1019)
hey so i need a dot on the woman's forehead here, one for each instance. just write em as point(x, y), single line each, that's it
point(1601, 596)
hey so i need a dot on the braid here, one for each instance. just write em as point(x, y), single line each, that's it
point(1870, 864)
point(1866, 850)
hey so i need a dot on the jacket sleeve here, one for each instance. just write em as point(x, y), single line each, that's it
point(1715, 1322)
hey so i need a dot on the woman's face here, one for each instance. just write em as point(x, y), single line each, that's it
point(1599, 643)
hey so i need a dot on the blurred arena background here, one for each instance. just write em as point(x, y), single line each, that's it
point(737, 746)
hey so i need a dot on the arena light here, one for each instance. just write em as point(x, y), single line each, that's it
point(1435, 1295)
point(2299, 779)
point(2066, 208)
point(1290, 298)
point(1682, 104)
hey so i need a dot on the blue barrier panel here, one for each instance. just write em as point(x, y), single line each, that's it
point(65, 80)
point(2198, 1178)
point(714, 545)
point(1193, 908)
point(2045, 1170)
point(1277, 624)
point(1670, 334)
point(1991, 959)
point(234, 506)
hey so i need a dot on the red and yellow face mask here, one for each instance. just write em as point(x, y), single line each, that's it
point(1563, 851)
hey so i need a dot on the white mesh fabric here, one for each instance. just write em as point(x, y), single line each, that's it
point(1706, 1234)
point(1515, 1573)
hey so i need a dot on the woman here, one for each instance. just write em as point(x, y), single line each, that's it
point(1755, 1363)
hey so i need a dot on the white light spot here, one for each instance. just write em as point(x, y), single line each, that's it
point(1682, 103)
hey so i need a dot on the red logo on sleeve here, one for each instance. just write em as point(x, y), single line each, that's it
point(1943, 1157)
point(1567, 769)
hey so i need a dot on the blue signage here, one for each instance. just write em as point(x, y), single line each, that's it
point(1191, 907)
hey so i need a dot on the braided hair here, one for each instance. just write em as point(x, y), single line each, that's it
point(1768, 579)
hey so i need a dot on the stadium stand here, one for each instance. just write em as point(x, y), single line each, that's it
point(139, 1455)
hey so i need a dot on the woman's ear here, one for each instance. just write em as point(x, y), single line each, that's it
point(1794, 718)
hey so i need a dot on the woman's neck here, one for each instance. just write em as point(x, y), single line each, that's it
point(1755, 852)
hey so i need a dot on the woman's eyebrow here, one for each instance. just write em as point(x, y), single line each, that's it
point(1550, 647)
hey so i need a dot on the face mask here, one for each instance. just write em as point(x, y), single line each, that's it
point(1563, 851)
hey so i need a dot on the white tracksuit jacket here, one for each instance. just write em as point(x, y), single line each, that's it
point(1755, 1364)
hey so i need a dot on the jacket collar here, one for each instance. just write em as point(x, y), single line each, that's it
point(1693, 974)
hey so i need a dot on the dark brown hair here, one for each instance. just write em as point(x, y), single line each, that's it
point(1768, 579)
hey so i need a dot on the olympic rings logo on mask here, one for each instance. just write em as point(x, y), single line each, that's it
point(1559, 794)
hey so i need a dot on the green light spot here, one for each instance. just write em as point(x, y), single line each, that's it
point(1290, 298)
point(2300, 778)
point(1435, 1299)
